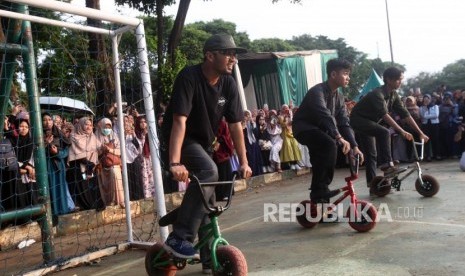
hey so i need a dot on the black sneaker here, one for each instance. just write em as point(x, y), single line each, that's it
point(390, 171)
point(207, 269)
point(323, 197)
point(180, 248)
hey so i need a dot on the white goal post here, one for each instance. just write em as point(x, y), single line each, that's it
point(129, 24)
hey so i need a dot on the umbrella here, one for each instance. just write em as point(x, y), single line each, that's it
point(64, 104)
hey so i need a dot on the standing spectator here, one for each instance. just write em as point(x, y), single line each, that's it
point(414, 111)
point(58, 121)
point(448, 125)
point(254, 155)
point(56, 155)
point(223, 150)
point(134, 160)
point(109, 177)
point(82, 161)
point(429, 113)
point(146, 173)
point(19, 187)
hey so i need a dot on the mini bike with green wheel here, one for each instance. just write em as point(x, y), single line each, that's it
point(225, 258)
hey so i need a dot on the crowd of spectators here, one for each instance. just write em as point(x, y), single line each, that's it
point(83, 161)
point(79, 180)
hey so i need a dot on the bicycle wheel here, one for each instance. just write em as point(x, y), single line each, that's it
point(430, 186)
point(159, 264)
point(305, 210)
point(366, 216)
point(231, 260)
point(380, 187)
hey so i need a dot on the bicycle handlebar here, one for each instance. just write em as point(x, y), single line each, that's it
point(216, 208)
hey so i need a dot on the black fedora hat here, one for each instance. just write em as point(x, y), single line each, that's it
point(222, 42)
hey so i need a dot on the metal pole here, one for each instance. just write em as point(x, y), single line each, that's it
point(389, 32)
point(39, 152)
point(237, 75)
point(152, 123)
point(122, 136)
point(82, 11)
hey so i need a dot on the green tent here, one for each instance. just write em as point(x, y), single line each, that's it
point(373, 81)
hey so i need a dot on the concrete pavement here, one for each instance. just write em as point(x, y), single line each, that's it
point(424, 236)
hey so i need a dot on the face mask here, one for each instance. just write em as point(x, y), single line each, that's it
point(106, 131)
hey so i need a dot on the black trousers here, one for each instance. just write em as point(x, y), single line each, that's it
point(323, 155)
point(192, 213)
point(371, 136)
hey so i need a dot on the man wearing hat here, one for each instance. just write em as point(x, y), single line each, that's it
point(202, 95)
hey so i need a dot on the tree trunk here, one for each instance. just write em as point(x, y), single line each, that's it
point(175, 35)
point(161, 61)
point(104, 86)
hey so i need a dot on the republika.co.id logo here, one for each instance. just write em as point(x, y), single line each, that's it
point(287, 212)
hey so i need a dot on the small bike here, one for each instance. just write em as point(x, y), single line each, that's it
point(361, 215)
point(426, 185)
point(226, 259)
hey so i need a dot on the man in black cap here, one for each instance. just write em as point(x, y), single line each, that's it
point(202, 95)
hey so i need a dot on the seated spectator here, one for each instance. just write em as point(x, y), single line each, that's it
point(264, 141)
point(274, 129)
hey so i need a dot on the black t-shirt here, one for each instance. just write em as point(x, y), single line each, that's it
point(203, 104)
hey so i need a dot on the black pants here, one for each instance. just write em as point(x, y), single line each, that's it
point(323, 154)
point(192, 213)
point(371, 136)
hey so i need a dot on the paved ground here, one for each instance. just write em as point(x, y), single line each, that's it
point(426, 236)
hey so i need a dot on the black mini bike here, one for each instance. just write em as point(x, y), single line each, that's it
point(426, 185)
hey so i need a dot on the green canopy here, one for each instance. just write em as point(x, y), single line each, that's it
point(373, 81)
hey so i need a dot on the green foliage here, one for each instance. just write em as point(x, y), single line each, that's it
point(195, 34)
point(169, 74)
point(145, 6)
point(453, 75)
point(271, 45)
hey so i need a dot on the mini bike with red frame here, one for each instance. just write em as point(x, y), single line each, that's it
point(361, 215)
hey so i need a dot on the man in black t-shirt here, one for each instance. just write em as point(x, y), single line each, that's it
point(202, 95)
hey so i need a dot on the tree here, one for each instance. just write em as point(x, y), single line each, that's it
point(103, 86)
point(271, 45)
point(454, 75)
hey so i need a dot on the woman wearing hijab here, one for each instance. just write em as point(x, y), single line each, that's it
point(429, 113)
point(82, 160)
point(57, 152)
point(110, 177)
point(145, 162)
point(134, 159)
point(19, 187)
point(254, 153)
